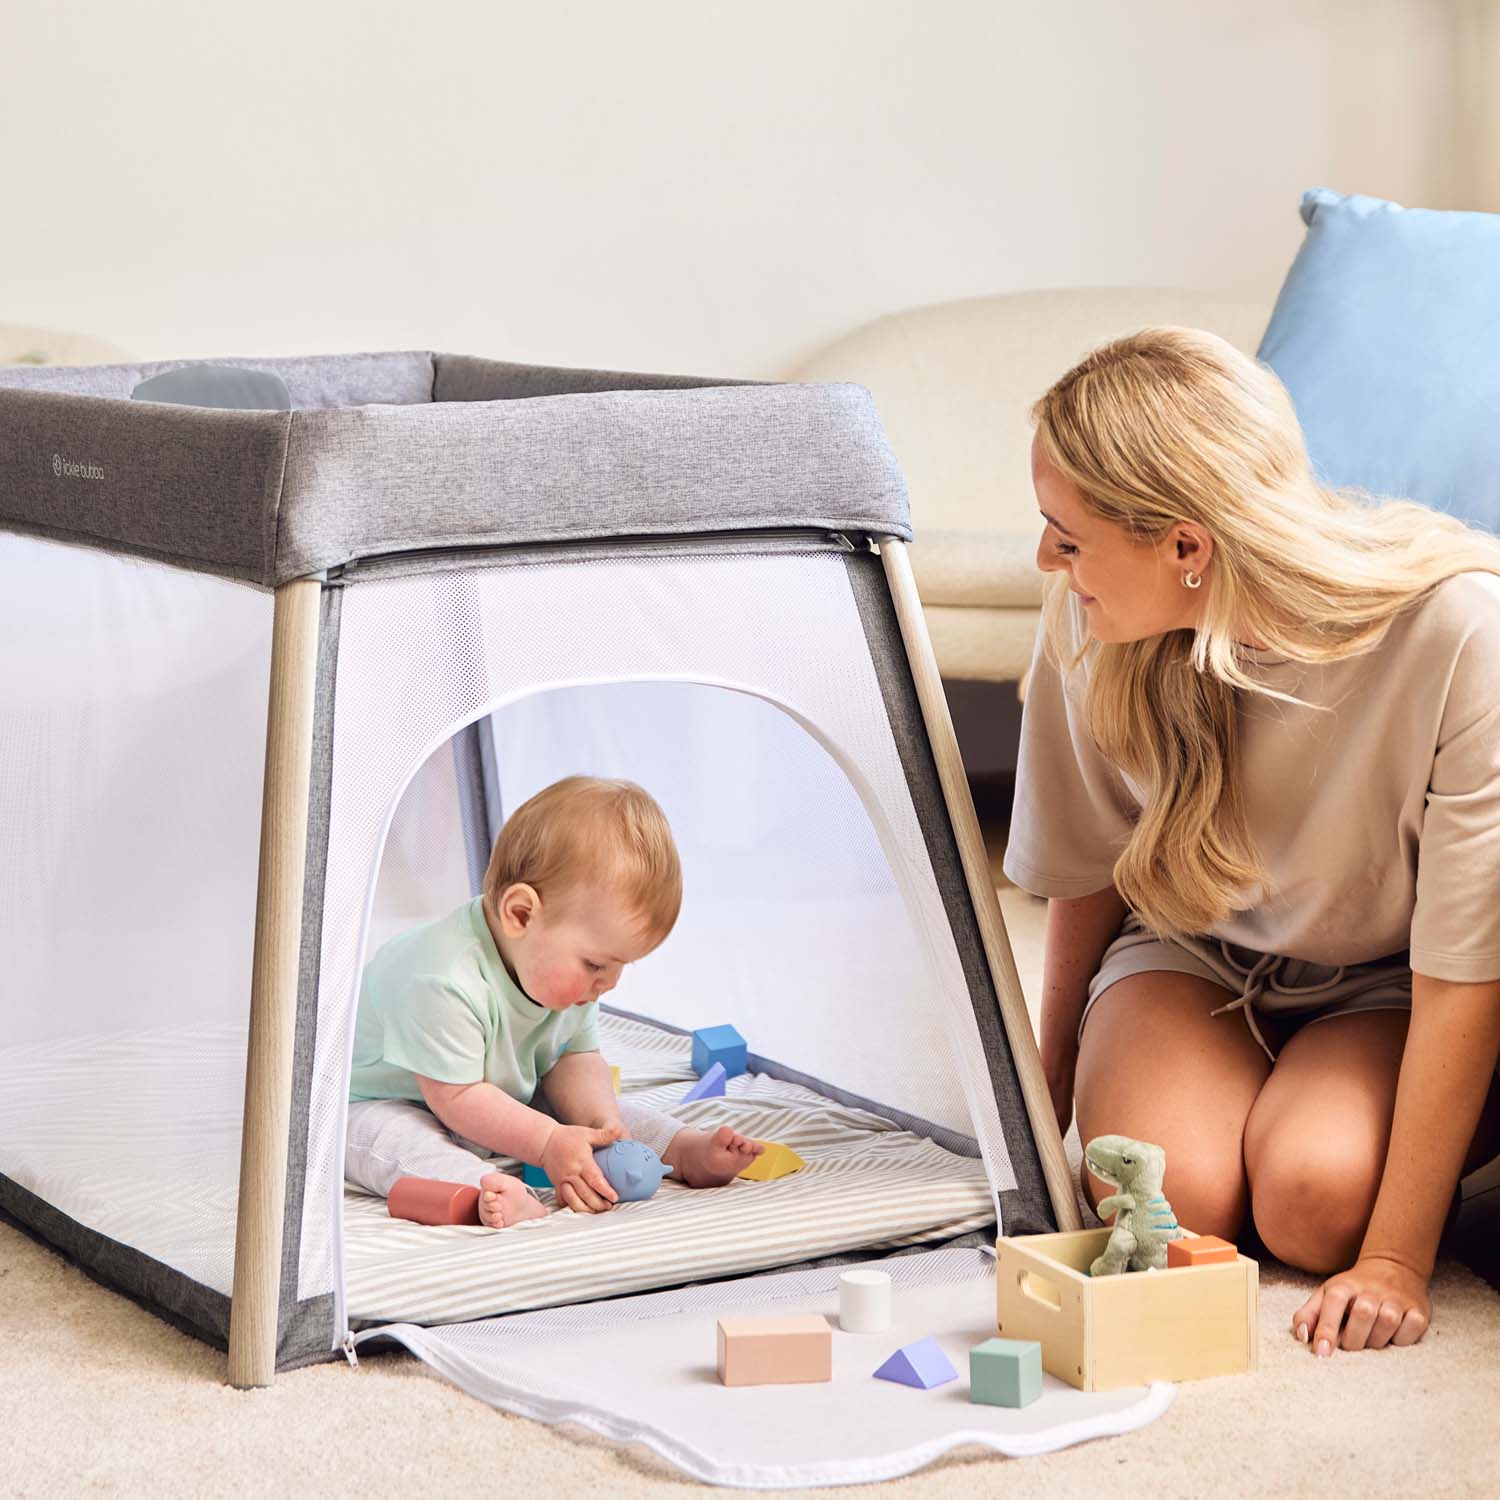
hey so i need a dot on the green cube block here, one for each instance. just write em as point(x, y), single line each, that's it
point(1005, 1372)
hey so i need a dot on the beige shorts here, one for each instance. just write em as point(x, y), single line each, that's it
point(1260, 985)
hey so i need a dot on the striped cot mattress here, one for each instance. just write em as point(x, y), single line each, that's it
point(867, 1185)
point(136, 1135)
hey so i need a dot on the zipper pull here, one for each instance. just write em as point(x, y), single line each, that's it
point(348, 1347)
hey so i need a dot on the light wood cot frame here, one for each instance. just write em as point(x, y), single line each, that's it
point(255, 1302)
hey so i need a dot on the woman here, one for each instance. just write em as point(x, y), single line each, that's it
point(1260, 785)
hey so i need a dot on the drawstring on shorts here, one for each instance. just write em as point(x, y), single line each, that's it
point(1260, 976)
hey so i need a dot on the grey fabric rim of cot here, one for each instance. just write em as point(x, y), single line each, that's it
point(1029, 1210)
point(532, 455)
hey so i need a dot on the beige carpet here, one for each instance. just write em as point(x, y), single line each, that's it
point(99, 1398)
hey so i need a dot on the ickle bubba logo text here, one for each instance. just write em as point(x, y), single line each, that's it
point(66, 468)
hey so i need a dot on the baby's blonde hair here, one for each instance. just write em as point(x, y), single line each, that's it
point(1175, 424)
point(587, 831)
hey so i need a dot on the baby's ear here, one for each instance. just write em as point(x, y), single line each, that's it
point(518, 905)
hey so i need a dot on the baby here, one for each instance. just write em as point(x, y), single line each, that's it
point(462, 1021)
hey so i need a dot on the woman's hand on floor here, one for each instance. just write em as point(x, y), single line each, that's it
point(1375, 1303)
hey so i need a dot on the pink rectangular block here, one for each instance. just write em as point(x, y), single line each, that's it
point(775, 1351)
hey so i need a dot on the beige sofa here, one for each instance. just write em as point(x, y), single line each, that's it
point(953, 383)
point(21, 345)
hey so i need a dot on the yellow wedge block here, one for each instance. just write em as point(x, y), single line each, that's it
point(776, 1161)
point(614, 1075)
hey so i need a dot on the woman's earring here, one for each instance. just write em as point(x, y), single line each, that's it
point(1192, 580)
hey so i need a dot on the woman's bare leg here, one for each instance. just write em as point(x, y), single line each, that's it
point(1155, 1065)
point(1316, 1140)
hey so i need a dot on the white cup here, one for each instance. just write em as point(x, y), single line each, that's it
point(864, 1301)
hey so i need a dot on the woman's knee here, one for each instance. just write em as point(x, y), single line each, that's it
point(1206, 1197)
point(1311, 1201)
point(1156, 1065)
point(1315, 1143)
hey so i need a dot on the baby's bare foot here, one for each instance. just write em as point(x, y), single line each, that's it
point(701, 1159)
point(503, 1200)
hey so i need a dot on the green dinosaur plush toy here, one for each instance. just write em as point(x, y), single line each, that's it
point(1144, 1220)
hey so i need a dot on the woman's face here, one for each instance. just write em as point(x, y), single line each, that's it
point(1129, 589)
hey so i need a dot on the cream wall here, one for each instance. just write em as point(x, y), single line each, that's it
point(706, 187)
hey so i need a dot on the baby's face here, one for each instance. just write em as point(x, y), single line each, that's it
point(575, 947)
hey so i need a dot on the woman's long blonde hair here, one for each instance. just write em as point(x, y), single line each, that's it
point(1175, 424)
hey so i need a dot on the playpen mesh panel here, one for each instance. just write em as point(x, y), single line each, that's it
point(424, 873)
point(423, 654)
point(132, 742)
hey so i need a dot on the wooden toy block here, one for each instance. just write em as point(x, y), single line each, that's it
point(1005, 1372)
point(923, 1365)
point(614, 1077)
point(720, 1044)
point(775, 1351)
point(1102, 1332)
point(775, 1161)
point(864, 1301)
point(710, 1086)
point(534, 1176)
point(424, 1200)
point(1202, 1250)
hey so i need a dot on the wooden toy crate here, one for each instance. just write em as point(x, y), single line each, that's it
point(1098, 1333)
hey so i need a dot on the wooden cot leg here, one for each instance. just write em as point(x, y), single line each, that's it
point(955, 785)
point(273, 985)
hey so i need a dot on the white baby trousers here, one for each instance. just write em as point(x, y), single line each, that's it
point(392, 1138)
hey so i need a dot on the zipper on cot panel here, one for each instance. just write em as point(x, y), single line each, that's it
point(728, 540)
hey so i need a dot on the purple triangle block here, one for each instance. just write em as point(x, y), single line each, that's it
point(710, 1086)
point(922, 1365)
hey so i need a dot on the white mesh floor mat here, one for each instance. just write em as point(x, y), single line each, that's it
point(867, 1185)
point(641, 1370)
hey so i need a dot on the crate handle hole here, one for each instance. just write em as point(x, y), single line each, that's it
point(1039, 1289)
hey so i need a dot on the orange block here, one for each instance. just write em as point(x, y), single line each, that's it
point(1205, 1250)
point(775, 1351)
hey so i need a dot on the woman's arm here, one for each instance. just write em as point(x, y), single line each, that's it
point(1079, 929)
point(1447, 1068)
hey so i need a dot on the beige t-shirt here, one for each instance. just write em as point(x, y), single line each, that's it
point(1378, 823)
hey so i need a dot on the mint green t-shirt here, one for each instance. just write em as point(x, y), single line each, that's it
point(439, 1001)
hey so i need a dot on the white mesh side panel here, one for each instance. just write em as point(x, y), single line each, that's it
point(421, 655)
point(424, 870)
point(793, 926)
point(132, 745)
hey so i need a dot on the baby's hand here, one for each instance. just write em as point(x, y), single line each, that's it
point(568, 1159)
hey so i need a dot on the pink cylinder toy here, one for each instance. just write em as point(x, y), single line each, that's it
point(427, 1201)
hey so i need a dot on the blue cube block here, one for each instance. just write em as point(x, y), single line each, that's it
point(720, 1044)
point(1005, 1372)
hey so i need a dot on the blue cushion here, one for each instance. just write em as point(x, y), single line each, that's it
point(1387, 334)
